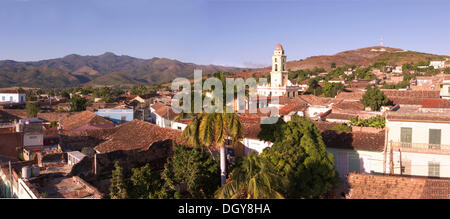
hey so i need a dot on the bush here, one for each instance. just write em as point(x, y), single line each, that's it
point(375, 122)
point(343, 128)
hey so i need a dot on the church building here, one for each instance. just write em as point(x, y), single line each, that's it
point(279, 82)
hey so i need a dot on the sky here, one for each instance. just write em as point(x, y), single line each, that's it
point(223, 32)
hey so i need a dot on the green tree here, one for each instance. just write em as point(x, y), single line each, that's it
point(333, 65)
point(77, 103)
point(32, 109)
point(253, 179)
point(65, 94)
point(374, 98)
point(332, 89)
point(194, 168)
point(144, 183)
point(118, 188)
point(300, 157)
point(270, 132)
point(314, 87)
point(213, 130)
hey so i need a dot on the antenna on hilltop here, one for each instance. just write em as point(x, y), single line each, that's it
point(381, 41)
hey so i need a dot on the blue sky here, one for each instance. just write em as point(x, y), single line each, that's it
point(226, 32)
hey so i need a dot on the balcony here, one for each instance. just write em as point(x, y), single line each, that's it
point(421, 147)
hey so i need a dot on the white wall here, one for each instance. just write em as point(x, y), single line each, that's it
point(445, 94)
point(254, 145)
point(33, 140)
point(420, 131)
point(420, 162)
point(14, 98)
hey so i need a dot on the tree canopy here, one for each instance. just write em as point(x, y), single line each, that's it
point(32, 109)
point(300, 157)
point(374, 98)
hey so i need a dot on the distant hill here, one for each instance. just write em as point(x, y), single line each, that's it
point(363, 56)
point(105, 69)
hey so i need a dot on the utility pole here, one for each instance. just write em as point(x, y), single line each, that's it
point(391, 161)
point(401, 167)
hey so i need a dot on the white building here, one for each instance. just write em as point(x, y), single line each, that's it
point(12, 97)
point(445, 88)
point(398, 69)
point(437, 64)
point(279, 83)
point(418, 141)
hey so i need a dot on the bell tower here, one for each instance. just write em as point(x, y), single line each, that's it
point(278, 75)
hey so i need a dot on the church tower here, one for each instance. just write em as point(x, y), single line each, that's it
point(279, 74)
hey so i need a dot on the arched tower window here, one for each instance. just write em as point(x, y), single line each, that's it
point(276, 67)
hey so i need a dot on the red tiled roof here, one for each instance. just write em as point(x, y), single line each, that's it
point(137, 134)
point(418, 116)
point(349, 105)
point(291, 108)
point(435, 103)
point(339, 116)
point(83, 119)
point(369, 186)
point(411, 93)
point(251, 128)
point(350, 95)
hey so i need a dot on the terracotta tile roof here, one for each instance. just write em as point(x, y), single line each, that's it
point(166, 112)
point(12, 114)
point(76, 140)
point(251, 128)
point(369, 186)
point(357, 95)
point(291, 108)
point(411, 93)
point(339, 116)
point(435, 103)
point(85, 118)
point(137, 134)
point(419, 116)
point(349, 105)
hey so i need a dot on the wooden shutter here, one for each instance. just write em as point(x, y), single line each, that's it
point(433, 169)
point(406, 136)
point(435, 136)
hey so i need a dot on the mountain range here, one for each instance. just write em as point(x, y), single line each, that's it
point(105, 69)
point(110, 69)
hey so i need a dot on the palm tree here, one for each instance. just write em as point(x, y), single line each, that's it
point(252, 180)
point(213, 130)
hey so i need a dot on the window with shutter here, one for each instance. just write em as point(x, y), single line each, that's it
point(406, 136)
point(434, 138)
point(433, 169)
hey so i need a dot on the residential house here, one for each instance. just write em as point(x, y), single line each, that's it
point(251, 142)
point(85, 120)
point(445, 88)
point(437, 64)
point(418, 142)
point(12, 96)
point(117, 115)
